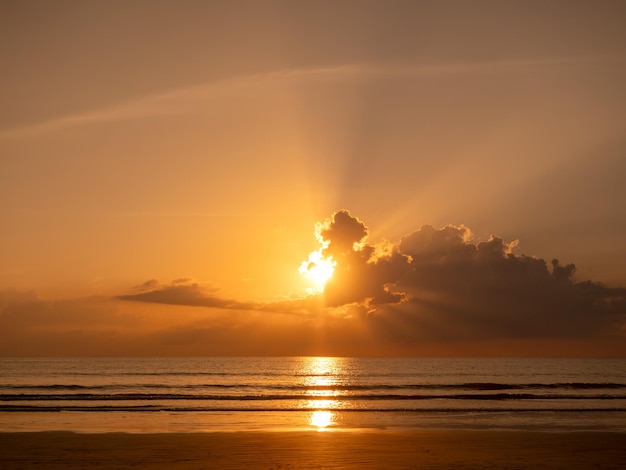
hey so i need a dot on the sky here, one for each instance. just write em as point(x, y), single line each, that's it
point(168, 167)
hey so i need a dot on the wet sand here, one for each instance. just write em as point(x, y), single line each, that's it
point(425, 449)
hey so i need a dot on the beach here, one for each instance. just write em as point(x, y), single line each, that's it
point(311, 413)
point(425, 449)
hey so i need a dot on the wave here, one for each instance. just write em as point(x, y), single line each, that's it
point(174, 409)
point(280, 397)
point(476, 386)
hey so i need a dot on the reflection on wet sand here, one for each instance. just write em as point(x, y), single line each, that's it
point(321, 419)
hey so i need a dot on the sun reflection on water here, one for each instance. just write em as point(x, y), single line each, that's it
point(321, 419)
point(321, 375)
point(323, 404)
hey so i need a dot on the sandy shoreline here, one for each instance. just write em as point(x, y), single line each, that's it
point(293, 450)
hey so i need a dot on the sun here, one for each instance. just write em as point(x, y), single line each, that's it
point(318, 269)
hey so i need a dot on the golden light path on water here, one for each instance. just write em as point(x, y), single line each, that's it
point(321, 372)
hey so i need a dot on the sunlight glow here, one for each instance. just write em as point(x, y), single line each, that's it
point(318, 270)
point(321, 419)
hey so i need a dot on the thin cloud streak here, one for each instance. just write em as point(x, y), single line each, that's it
point(183, 99)
point(186, 292)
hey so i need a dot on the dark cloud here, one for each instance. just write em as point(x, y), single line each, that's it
point(186, 292)
point(440, 283)
point(341, 233)
point(183, 292)
point(362, 274)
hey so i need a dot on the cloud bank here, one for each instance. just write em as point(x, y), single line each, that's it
point(438, 291)
point(436, 284)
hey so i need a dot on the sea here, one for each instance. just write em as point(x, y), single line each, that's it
point(146, 395)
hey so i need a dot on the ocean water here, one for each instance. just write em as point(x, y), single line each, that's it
point(226, 394)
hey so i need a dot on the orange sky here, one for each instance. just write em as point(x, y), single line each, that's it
point(189, 148)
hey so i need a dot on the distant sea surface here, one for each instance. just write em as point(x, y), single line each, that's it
point(224, 394)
